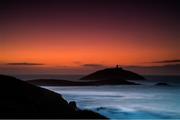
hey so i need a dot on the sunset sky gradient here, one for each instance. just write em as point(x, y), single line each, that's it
point(74, 33)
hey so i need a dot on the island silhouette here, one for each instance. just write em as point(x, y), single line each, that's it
point(108, 76)
point(117, 73)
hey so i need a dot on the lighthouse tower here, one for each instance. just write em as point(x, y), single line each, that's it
point(117, 67)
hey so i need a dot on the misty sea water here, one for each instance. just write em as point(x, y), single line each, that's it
point(145, 101)
point(126, 101)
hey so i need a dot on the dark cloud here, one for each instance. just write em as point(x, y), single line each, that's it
point(92, 65)
point(168, 69)
point(76, 62)
point(160, 66)
point(167, 61)
point(24, 63)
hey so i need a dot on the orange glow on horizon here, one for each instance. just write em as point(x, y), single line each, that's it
point(101, 50)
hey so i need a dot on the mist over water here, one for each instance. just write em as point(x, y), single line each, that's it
point(127, 101)
point(145, 101)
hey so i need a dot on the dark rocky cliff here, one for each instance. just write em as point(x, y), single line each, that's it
point(22, 100)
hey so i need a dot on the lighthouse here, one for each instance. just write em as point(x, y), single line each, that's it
point(117, 67)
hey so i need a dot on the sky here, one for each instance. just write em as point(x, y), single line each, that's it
point(41, 36)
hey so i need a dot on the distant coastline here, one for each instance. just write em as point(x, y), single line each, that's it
point(56, 82)
point(108, 76)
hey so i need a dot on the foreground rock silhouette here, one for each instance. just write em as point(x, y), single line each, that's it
point(23, 100)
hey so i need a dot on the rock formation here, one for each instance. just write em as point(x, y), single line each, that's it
point(23, 100)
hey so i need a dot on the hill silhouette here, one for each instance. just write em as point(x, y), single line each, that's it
point(109, 76)
point(113, 74)
point(20, 99)
point(56, 82)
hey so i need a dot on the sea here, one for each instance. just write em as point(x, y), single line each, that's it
point(145, 101)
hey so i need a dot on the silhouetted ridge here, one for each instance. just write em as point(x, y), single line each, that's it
point(109, 76)
point(22, 100)
point(53, 82)
point(113, 74)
